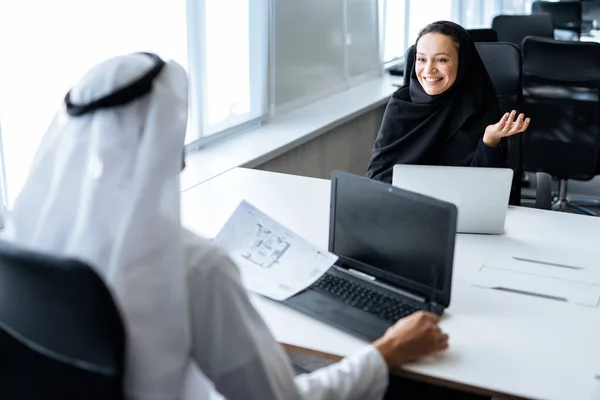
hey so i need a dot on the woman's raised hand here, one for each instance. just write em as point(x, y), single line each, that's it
point(507, 126)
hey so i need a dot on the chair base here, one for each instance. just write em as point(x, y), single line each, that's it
point(563, 203)
point(566, 204)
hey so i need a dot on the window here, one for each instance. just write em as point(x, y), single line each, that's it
point(337, 48)
point(235, 63)
point(424, 12)
point(490, 9)
point(308, 58)
point(394, 12)
point(471, 13)
point(480, 13)
point(224, 52)
point(48, 45)
point(516, 6)
point(362, 38)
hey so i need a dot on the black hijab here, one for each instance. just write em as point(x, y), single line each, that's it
point(443, 129)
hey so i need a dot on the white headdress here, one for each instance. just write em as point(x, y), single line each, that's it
point(104, 188)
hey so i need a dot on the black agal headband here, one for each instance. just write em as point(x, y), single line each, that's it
point(122, 96)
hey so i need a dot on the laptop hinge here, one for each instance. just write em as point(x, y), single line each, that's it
point(375, 281)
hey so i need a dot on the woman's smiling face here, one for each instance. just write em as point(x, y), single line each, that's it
point(436, 64)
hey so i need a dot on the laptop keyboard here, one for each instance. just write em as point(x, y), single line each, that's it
point(384, 306)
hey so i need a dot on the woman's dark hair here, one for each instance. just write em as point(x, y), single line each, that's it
point(447, 28)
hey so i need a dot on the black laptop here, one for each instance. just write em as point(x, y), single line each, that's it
point(395, 250)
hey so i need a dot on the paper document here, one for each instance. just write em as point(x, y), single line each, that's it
point(273, 261)
point(551, 279)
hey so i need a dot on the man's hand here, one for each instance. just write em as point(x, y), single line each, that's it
point(411, 338)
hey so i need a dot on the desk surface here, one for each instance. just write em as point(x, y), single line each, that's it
point(500, 342)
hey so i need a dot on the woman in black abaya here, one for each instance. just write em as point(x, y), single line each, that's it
point(447, 113)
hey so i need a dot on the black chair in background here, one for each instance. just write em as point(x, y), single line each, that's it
point(503, 63)
point(562, 97)
point(409, 61)
point(566, 15)
point(514, 28)
point(483, 35)
point(61, 335)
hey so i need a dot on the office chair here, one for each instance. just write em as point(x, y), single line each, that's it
point(409, 61)
point(503, 64)
point(566, 15)
point(514, 28)
point(61, 335)
point(561, 95)
point(483, 35)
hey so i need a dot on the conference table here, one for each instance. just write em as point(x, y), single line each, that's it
point(501, 343)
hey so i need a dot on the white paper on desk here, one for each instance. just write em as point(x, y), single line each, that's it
point(273, 260)
point(567, 282)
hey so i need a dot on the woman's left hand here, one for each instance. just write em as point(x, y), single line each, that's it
point(507, 126)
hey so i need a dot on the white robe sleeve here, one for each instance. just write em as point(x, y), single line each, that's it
point(234, 348)
point(363, 375)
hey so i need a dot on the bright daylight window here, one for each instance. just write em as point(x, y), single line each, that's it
point(235, 65)
point(227, 64)
point(424, 12)
point(394, 38)
point(471, 14)
point(516, 6)
point(46, 46)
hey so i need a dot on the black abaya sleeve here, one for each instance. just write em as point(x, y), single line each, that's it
point(490, 157)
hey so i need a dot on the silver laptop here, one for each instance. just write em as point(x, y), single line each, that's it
point(480, 194)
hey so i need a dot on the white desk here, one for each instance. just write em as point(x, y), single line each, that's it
point(500, 342)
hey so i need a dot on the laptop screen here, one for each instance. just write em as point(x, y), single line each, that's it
point(398, 236)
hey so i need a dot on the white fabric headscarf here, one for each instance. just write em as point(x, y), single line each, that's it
point(104, 188)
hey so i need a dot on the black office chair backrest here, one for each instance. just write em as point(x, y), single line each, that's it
point(483, 35)
point(514, 28)
point(561, 95)
point(565, 14)
point(61, 335)
point(409, 62)
point(503, 63)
